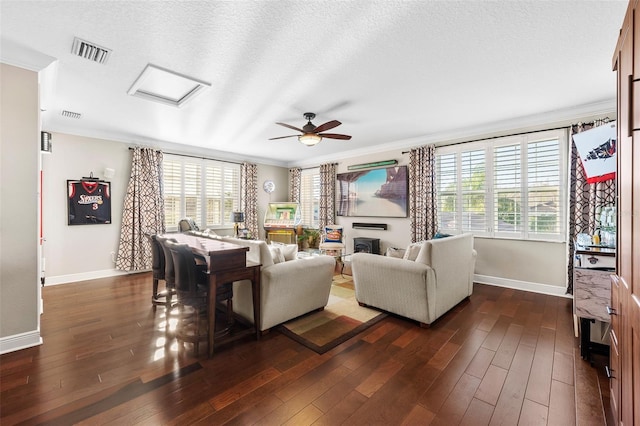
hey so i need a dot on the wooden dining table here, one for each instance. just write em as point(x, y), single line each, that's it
point(226, 262)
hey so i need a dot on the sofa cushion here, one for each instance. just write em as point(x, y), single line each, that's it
point(440, 235)
point(290, 251)
point(424, 255)
point(258, 250)
point(276, 254)
point(412, 250)
point(395, 252)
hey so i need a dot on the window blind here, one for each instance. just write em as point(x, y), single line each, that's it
point(205, 190)
point(511, 187)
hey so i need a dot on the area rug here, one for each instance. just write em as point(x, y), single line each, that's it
point(340, 320)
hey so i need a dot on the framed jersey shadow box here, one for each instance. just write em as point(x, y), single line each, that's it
point(89, 202)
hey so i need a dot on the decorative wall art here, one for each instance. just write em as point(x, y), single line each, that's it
point(375, 193)
point(89, 201)
point(597, 150)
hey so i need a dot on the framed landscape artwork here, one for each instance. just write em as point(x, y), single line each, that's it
point(374, 193)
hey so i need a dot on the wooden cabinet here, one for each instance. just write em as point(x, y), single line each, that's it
point(625, 286)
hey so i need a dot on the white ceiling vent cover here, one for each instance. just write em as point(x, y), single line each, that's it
point(91, 51)
point(165, 86)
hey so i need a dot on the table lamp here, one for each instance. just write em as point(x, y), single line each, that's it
point(236, 218)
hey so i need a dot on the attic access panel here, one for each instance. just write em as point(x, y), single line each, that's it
point(166, 86)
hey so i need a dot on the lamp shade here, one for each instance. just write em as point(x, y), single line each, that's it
point(237, 217)
point(309, 139)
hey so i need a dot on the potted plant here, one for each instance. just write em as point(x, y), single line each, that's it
point(309, 238)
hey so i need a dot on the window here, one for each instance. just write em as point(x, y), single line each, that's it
point(205, 190)
point(511, 187)
point(310, 197)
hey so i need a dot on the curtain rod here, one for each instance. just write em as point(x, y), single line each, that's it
point(193, 156)
point(606, 119)
point(495, 137)
point(314, 167)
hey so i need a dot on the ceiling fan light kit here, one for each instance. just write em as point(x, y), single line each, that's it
point(311, 135)
point(309, 139)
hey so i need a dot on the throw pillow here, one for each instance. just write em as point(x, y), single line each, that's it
point(395, 252)
point(332, 235)
point(424, 255)
point(440, 235)
point(276, 254)
point(290, 251)
point(412, 251)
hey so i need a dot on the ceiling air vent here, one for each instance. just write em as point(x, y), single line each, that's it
point(90, 51)
point(70, 114)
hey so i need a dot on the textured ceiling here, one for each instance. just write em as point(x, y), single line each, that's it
point(395, 73)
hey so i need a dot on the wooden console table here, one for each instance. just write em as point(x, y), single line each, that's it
point(226, 263)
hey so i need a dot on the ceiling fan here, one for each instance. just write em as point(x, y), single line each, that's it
point(311, 134)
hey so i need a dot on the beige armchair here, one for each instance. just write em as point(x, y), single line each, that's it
point(424, 289)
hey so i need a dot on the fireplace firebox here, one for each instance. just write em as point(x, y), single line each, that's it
point(366, 245)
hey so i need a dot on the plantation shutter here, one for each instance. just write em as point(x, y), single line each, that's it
point(310, 197)
point(507, 189)
point(473, 191)
point(213, 195)
point(205, 190)
point(230, 202)
point(543, 177)
point(172, 186)
point(192, 188)
point(447, 184)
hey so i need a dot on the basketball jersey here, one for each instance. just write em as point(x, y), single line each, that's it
point(89, 202)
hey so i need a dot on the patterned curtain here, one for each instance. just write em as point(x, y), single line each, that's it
point(327, 195)
point(295, 180)
point(143, 211)
point(422, 193)
point(585, 199)
point(249, 196)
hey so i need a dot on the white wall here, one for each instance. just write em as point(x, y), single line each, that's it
point(280, 176)
point(83, 252)
point(19, 158)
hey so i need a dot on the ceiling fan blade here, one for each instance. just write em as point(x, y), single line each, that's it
point(327, 126)
point(334, 136)
point(291, 127)
point(283, 137)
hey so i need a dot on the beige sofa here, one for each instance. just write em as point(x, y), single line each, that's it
point(431, 278)
point(289, 288)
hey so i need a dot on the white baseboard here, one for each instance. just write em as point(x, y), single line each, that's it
point(551, 290)
point(84, 276)
point(20, 341)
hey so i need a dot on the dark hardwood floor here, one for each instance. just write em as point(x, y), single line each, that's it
point(502, 357)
